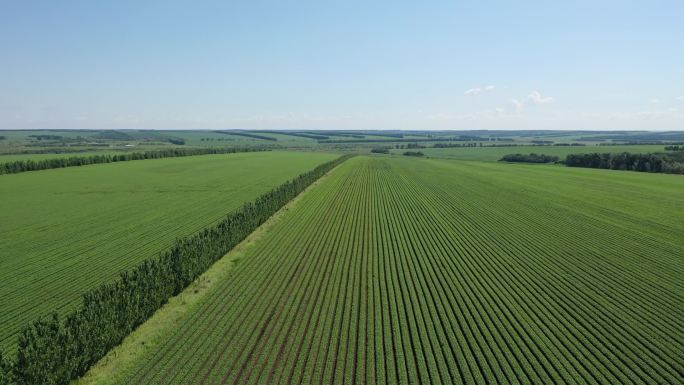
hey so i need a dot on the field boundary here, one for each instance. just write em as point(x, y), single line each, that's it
point(19, 166)
point(53, 350)
point(120, 360)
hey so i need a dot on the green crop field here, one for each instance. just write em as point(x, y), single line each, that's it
point(495, 153)
point(64, 231)
point(399, 271)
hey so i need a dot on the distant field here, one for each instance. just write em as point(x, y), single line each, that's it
point(398, 271)
point(209, 138)
point(24, 135)
point(92, 140)
point(495, 153)
point(64, 231)
point(118, 140)
point(15, 157)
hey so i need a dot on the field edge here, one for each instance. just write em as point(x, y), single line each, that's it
point(114, 367)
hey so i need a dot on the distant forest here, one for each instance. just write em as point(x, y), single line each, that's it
point(665, 163)
point(529, 158)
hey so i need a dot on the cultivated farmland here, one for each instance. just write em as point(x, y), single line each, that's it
point(398, 271)
point(65, 231)
point(495, 153)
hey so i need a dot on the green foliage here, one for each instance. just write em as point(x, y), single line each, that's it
point(6, 370)
point(529, 158)
point(453, 145)
point(625, 161)
point(413, 153)
point(351, 135)
point(380, 150)
point(246, 134)
point(44, 164)
point(46, 137)
point(296, 134)
point(494, 152)
point(112, 135)
point(177, 141)
point(399, 139)
point(54, 352)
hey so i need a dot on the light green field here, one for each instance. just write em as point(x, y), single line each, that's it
point(399, 270)
point(289, 139)
point(495, 153)
point(24, 135)
point(94, 141)
point(194, 138)
point(64, 231)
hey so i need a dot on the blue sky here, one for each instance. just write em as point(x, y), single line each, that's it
point(342, 65)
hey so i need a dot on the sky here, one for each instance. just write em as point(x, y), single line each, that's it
point(433, 65)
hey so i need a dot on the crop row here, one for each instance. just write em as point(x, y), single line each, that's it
point(406, 271)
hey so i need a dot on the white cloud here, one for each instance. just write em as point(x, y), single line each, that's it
point(518, 105)
point(478, 90)
point(650, 114)
point(680, 97)
point(537, 98)
point(654, 101)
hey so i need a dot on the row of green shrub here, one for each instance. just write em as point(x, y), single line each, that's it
point(55, 350)
point(44, 164)
point(380, 150)
point(413, 153)
point(296, 134)
point(248, 135)
point(665, 163)
point(659, 162)
point(529, 158)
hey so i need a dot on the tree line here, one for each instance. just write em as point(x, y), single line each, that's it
point(359, 136)
point(637, 143)
point(391, 140)
point(413, 153)
point(55, 350)
point(529, 158)
point(297, 134)
point(456, 145)
point(44, 164)
point(573, 144)
point(248, 135)
point(665, 163)
point(177, 141)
